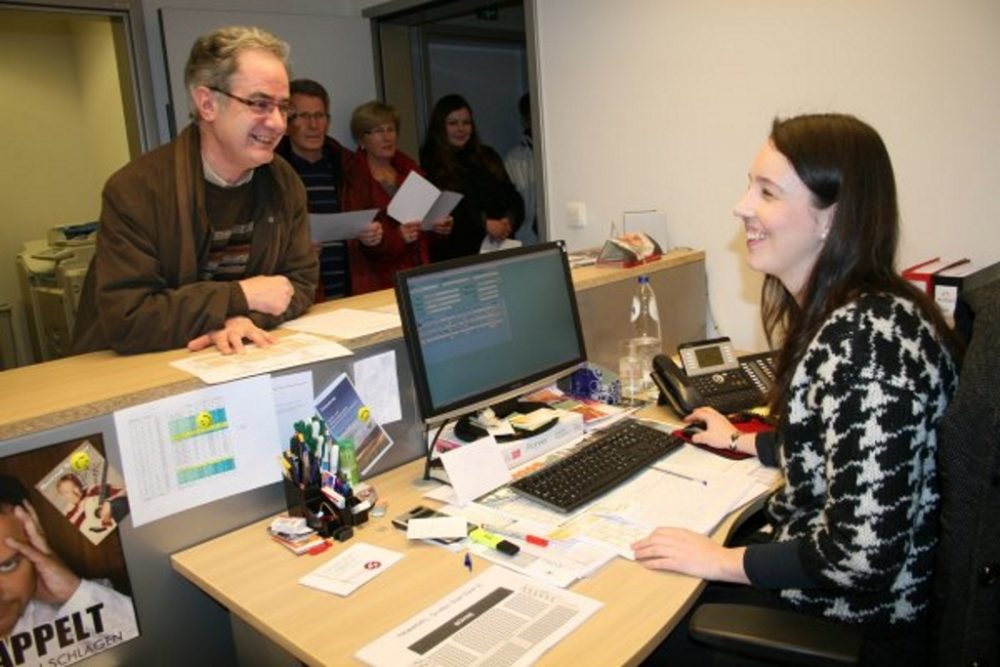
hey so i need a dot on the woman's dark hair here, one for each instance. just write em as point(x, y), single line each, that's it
point(438, 156)
point(843, 162)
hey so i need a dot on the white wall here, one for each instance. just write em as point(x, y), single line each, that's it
point(653, 104)
point(154, 42)
point(64, 133)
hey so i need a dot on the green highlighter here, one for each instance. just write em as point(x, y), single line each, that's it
point(494, 542)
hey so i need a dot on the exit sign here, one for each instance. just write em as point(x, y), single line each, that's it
point(488, 13)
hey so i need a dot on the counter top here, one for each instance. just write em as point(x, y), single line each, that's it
point(44, 396)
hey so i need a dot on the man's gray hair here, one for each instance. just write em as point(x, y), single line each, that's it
point(213, 58)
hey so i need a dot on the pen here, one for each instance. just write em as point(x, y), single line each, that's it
point(703, 482)
point(527, 537)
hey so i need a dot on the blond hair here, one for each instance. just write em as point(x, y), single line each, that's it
point(370, 115)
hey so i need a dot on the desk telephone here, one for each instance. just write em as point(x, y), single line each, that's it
point(714, 376)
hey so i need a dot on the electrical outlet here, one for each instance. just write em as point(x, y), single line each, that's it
point(576, 214)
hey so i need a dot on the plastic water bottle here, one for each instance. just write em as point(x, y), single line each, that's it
point(348, 462)
point(644, 330)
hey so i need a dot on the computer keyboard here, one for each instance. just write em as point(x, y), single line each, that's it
point(597, 466)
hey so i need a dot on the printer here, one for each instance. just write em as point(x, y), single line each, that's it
point(51, 273)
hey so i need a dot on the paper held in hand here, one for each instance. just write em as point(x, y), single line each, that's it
point(419, 199)
point(326, 227)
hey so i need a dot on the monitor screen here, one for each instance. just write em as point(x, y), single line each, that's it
point(487, 328)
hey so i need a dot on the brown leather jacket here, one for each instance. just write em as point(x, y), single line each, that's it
point(143, 291)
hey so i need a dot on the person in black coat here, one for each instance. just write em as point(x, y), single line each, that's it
point(455, 159)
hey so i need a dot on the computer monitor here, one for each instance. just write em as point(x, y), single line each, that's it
point(485, 329)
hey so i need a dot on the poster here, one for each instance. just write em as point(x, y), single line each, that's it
point(348, 418)
point(66, 591)
point(87, 491)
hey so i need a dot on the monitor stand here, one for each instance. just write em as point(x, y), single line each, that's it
point(466, 431)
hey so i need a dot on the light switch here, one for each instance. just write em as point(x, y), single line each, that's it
point(576, 214)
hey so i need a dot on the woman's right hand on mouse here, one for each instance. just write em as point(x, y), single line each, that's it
point(717, 431)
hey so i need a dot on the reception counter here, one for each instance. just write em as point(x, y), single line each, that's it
point(76, 398)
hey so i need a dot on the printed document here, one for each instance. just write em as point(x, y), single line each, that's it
point(345, 573)
point(346, 323)
point(186, 450)
point(500, 617)
point(213, 367)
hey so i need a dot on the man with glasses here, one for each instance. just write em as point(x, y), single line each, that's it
point(205, 241)
point(319, 160)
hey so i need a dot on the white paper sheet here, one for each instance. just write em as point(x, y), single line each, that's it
point(489, 245)
point(475, 469)
point(414, 199)
point(346, 323)
point(293, 401)
point(359, 564)
point(420, 200)
point(445, 204)
point(485, 619)
point(436, 526)
point(340, 226)
point(213, 367)
point(377, 383)
point(186, 450)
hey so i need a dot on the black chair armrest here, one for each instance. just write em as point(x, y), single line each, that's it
point(776, 634)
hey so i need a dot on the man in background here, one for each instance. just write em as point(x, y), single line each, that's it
point(319, 160)
point(520, 165)
point(205, 241)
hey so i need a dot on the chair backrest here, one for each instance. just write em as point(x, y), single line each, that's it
point(966, 603)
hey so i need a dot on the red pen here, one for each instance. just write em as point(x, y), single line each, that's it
point(520, 534)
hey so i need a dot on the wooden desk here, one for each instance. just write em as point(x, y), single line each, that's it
point(256, 579)
point(76, 398)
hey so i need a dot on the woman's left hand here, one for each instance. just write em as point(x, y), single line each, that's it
point(410, 231)
point(444, 225)
point(680, 550)
point(499, 229)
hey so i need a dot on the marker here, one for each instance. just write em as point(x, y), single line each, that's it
point(494, 542)
point(520, 534)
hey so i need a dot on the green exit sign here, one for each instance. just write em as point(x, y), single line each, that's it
point(488, 13)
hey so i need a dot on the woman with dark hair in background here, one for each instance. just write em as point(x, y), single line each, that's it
point(455, 159)
point(865, 370)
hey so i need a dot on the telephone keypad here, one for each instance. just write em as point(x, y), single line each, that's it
point(724, 382)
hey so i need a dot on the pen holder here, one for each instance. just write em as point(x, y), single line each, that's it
point(320, 514)
point(309, 503)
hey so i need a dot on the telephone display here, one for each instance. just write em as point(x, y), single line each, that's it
point(715, 376)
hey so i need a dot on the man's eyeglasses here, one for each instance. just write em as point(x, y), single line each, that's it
point(263, 106)
point(306, 116)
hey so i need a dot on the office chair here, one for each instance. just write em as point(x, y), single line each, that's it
point(965, 606)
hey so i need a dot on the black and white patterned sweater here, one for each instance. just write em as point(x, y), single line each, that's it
point(856, 520)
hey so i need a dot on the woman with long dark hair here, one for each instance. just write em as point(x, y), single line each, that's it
point(865, 368)
point(455, 159)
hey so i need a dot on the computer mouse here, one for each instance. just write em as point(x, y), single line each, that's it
point(697, 426)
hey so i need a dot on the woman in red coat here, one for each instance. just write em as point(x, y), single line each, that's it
point(373, 175)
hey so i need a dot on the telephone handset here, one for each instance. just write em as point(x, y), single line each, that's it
point(713, 375)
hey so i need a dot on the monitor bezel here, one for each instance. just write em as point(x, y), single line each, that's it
point(431, 414)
